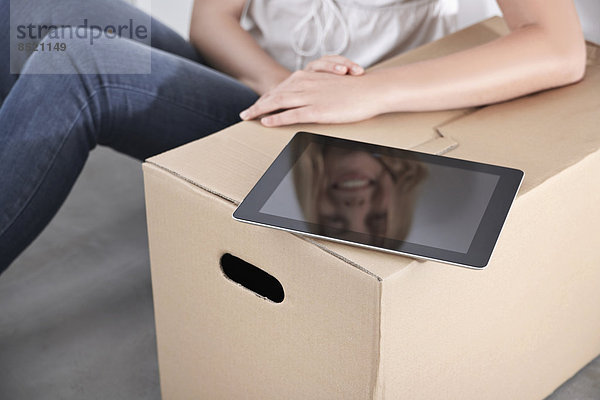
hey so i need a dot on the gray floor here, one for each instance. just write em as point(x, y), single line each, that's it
point(76, 314)
point(76, 319)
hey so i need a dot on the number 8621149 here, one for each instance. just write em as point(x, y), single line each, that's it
point(30, 47)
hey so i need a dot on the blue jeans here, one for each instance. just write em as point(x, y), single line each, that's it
point(49, 123)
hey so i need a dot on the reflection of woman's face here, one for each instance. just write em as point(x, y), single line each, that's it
point(355, 194)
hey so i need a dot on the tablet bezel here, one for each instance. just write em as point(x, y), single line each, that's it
point(486, 235)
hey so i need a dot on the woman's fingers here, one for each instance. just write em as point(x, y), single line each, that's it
point(321, 65)
point(270, 103)
point(352, 67)
point(288, 117)
point(335, 64)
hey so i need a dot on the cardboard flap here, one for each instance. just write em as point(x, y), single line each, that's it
point(593, 53)
point(541, 134)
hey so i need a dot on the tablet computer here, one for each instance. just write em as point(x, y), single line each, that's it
point(394, 200)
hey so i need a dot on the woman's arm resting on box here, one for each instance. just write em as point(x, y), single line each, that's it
point(545, 49)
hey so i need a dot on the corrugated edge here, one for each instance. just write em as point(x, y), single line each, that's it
point(339, 256)
point(379, 388)
point(379, 385)
point(188, 180)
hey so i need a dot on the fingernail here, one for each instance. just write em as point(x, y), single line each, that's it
point(244, 114)
point(357, 68)
point(266, 120)
point(340, 68)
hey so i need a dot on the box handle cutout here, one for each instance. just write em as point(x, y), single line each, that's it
point(252, 278)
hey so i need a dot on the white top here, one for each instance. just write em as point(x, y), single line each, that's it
point(295, 32)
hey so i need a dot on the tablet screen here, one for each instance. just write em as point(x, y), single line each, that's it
point(391, 199)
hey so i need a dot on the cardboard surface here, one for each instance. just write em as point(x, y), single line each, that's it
point(212, 330)
point(515, 330)
point(361, 324)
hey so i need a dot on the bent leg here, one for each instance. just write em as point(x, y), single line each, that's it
point(102, 13)
point(49, 123)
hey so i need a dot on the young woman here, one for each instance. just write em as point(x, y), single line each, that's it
point(61, 104)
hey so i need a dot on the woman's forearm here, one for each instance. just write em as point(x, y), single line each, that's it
point(216, 32)
point(504, 69)
point(536, 55)
point(545, 49)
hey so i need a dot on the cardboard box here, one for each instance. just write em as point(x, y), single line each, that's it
point(361, 324)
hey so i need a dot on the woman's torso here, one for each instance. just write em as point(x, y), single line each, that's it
point(295, 32)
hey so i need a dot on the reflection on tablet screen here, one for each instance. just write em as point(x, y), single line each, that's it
point(341, 191)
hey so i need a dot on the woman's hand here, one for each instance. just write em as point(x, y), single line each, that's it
point(312, 96)
point(319, 97)
point(339, 65)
